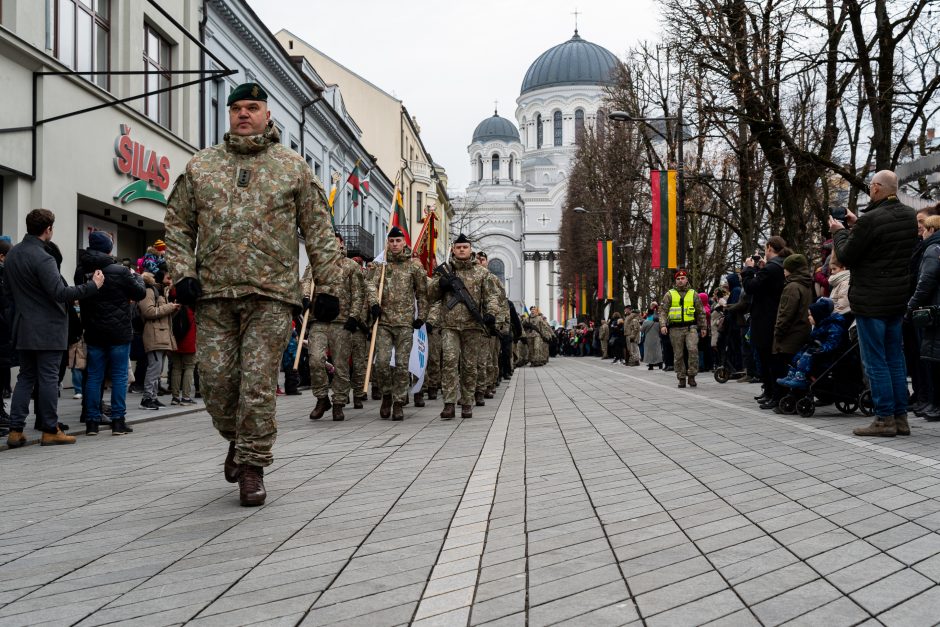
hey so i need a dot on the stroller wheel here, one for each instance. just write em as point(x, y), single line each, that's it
point(805, 407)
point(847, 407)
point(788, 404)
point(721, 374)
point(865, 404)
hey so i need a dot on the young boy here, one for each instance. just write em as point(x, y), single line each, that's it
point(828, 332)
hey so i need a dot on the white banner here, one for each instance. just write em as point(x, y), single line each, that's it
point(418, 360)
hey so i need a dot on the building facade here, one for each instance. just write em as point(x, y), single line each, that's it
point(519, 172)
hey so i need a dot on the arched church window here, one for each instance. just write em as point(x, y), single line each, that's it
point(497, 267)
point(578, 125)
point(512, 165)
point(601, 123)
point(479, 168)
point(538, 130)
point(495, 160)
point(557, 122)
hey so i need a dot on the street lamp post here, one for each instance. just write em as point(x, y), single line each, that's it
point(623, 116)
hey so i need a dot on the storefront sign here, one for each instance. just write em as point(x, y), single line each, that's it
point(150, 171)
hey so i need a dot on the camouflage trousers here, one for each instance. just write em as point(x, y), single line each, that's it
point(393, 381)
point(359, 349)
point(520, 353)
point(432, 376)
point(684, 338)
point(633, 353)
point(493, 364)
point(239, 347)
point(488, 365)
point(536, 346)
point(461, 350)
point(332, 337)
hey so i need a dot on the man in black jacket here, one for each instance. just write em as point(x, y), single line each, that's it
point(764, 287)
point(106, 318)
point(35, 291)
point(877, 249)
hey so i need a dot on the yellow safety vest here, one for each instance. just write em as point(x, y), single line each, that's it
point(682, 310)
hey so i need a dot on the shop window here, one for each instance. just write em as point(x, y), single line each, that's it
point(157, 60)
point(82, 40)
point(557, 125)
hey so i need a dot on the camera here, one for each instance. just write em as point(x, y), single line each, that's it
point(838, 214)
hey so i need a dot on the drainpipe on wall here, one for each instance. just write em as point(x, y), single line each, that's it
point(202, 70)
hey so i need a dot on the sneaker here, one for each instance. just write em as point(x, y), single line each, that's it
point(157, 402)
point(77, 397)
point(91, 428)
point(279, 392)
point(148, 403)
point(187, 401)
point(175, 401)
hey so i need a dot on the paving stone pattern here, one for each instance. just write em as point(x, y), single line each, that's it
point(583, 494)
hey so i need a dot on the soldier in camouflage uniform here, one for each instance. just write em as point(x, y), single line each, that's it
point(461, 334)
point(631, 332)
point(521, 347)
point(490, 377)
point(231, 234)
point(360, 338)
point(540, 334)
point(405, 284)
point(331, 332)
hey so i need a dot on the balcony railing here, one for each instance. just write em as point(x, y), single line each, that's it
point(359, 242)
point(421, 170)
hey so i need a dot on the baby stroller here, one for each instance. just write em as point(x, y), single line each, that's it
point(840, 381)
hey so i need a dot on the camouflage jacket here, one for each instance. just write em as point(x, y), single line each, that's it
point(541, 328)
point(502, 314)
point(368, 298)
point(476, 279)
point(232, 219)
point(631, 328)
point(405, 283)
point(344, 285)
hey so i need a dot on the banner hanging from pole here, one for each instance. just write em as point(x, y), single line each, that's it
point(605, 270)
point(665, 238)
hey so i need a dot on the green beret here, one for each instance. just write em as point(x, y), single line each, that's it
point(247, 91)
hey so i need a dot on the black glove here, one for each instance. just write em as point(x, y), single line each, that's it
point(427, 325)
point(417, 324)
point(305, 301)
point(325, 308)
point(351, 324)
point(444, 284)
point(489, 320)
point(188, 291)
point(376, 312)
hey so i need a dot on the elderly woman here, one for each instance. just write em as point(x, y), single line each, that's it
point(927, 294)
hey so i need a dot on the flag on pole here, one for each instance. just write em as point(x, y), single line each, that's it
point(425, 248)
point(364, 182)
point(354, 181)
point(665, 237)
point(399, 218)
point(605, 269)
point(583, 309)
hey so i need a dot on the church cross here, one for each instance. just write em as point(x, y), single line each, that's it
point(543, 219)
point(495, 107)
point(576, 13)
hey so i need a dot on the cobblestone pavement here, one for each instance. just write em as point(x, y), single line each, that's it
point(583, 494)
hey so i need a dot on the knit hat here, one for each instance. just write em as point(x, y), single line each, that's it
point(159, 245)
point(796, 263)
point(821, 309)
point(100, 241)
point(395, 232)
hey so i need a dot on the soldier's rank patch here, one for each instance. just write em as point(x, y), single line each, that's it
point(244, 176)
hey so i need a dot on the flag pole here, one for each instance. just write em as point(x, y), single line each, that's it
point(303, 326)
point(375, 325)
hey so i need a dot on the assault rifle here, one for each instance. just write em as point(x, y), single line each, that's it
point(459, 293)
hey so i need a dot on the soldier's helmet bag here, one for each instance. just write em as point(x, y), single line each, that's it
point(325, 308)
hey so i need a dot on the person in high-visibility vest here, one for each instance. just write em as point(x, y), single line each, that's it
point(682, 318)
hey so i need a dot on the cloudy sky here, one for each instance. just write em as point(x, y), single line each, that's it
point(449, 60)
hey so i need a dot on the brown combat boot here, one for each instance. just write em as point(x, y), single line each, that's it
point(230, 468)
point(489, 393)
point(338, 414)
point(681, 382)
point(376, 393)
point(466, 411)
point(251, 490)
point(432, 394)
point(448, 413)
point(397, 411)
point(478, 399)
point(419, 399)
point(54, 439)
point(386, 409)
point(881, 427)
point(322, 405)
point(357, 402)
point(692, 383)
point(902, 425)
point(16, 439)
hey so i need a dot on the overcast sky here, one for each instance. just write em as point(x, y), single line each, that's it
point(449, 60)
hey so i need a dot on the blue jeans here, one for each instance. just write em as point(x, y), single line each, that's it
point(78, 379)
point(883, 357)
point(100, 357)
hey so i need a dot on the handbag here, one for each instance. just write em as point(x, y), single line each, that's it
point(924, 317)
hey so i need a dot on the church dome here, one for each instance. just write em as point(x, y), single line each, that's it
point(495, 128)
point(575, 62)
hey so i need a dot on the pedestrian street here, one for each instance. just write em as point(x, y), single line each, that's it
point(583, 494)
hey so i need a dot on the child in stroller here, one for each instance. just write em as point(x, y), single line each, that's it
point(828, 336)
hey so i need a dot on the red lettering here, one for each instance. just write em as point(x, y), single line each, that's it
point(133, 158)
point(123, 148)
point(163, 181)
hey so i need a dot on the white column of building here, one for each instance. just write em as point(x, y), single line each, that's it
point(552, 306)
point(545, 278)
point(528, 294)
point(504, 169)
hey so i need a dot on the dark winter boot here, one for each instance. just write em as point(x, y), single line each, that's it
point(681, 382)
point(419, 399)
point(692, 383)
point(397, 411)
point(230, 469)
point(119, 427)
point(385, 411)
point(320, 408)
point(357, 402)
point(478, 399)
point(881, 427)
point(376, 393)
point(448, 413)
point(902, 425)
point(466, 411)
point(432, 394)
point(338, 414)
point(251, 490)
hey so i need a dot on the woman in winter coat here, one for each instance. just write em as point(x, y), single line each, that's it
point(616, 333)
point(839, 279)
point(158, 334)
point(183, 359)
point(652, 348)
point(792, 327)
point(927, 294)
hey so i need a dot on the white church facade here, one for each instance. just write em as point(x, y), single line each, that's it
point(519, 172)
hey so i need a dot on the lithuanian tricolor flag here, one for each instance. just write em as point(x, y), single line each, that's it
point(665, 223)
point(605, 269)
point(399, 218)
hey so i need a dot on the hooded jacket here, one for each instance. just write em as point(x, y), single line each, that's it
point(106, 316)
point(764, 287)
point(158, 318)
point(792, 328)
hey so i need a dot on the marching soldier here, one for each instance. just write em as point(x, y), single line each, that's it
point(369, 312)
point(331, 332)
point(631, 331)
point(540, 334)
point(463, 318)
point(231, 233)
point(682, 318)
point(405, 284)
point(521, 347)
point(603, 336)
